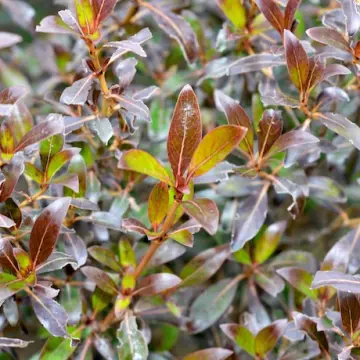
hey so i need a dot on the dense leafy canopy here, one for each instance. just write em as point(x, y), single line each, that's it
point(179, 179)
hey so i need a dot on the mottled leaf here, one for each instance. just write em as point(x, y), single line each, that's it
point(185, 132)
point(132, 344)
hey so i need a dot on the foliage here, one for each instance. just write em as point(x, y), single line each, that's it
point(146, 214)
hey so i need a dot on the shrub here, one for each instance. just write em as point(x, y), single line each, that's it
point(146, 214)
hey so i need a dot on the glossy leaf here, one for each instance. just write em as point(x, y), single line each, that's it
point(308, 325)
point(75, 247)
point(349, 306)
point(289, 15)
point(272, 13)
point(9, 39)
point(158, 204)
point(59, 160)
point(157, 283)
point(352, 16)
point(291, 140)
point(241, 335)
point(78, 92)
point(12, 173)
point(250, 216)
point(204, 265)
point(330, 37)
point(267, 243)
point(12, 342)
point(209, 354)
point(270, 129)
point(100, 278)
point(214, 148)
point(205, 212)
point(299, 279)
point(105, 257)
point(185, 131)
point(210, 306)
point(342, 126)
point(177, 28)
point(297, 61)
point(46, 230)
point(338, 280)
point(144, 163)
point(56, 261)
point(267, 338)
point(103, 9)
point(236, 115)
point(51, 315)
point(52, 125)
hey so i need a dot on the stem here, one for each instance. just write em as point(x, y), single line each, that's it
point(34, 197)
point(94, 53)
point(155, 244)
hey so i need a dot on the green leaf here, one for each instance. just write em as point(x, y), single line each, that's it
point(57, 348)
point(87, 18)
point(24, 261)
point(132, 344)
point(300, 279)
point(164, 337)
point(268, 241)
point(100, 278)
point(242, 256)
point(49, 147)
point(142, 162)
point(214, 148)
point(267, 338)
point(105, 256)
point(59, 160)
point(241, 335)
point(210, 305)
point(77, 166)
point(235, 11)
point(158, 204)
point(126, 253)
point(33, 173)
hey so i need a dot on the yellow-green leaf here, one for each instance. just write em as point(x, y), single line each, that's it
point(214, 148)
point(235, 11)
point(142, 162)
point(158, 204)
